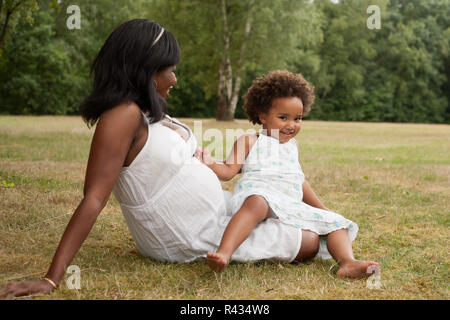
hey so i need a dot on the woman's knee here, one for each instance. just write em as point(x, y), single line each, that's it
point(309, 246)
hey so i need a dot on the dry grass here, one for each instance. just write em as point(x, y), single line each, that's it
point(392, 179)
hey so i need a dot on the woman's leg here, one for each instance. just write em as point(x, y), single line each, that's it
point(340, 248)
point(254, 210)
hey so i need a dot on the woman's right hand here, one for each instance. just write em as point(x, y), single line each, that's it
point(204, 156)
point(26, 288)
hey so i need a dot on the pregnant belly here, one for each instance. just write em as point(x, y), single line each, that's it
point(194, 205)
point(201, 180)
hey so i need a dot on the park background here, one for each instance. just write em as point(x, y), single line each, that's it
point(362, 159)
point(397, 73)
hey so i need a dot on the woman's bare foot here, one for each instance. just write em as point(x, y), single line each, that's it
point(217, 261)
point(356, 269)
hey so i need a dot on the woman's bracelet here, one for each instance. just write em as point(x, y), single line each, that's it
point(51, 282)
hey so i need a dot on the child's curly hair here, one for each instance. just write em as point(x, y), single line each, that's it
point(277, 84)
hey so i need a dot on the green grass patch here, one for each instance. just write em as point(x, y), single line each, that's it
point(391, 179)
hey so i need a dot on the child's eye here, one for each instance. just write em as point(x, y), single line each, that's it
point(283, 117)
point(298, 119)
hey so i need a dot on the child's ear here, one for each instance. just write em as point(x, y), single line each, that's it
point(262, 118)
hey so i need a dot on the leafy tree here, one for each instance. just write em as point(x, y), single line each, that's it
point(36, 72)
point(398, 73)
point(98, 20)
point(224, 41)
point(341, 59)
point(411, 60)
point(10, 13)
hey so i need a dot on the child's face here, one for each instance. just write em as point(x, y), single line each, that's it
point(284, 119)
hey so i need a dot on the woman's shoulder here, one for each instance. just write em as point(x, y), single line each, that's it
point(126, 118)
point(126, 112)
point(125, 108)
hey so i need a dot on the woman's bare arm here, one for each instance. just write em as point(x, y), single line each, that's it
point(111, 143)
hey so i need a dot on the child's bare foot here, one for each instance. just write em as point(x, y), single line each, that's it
point(216, 261)
point(355, 269)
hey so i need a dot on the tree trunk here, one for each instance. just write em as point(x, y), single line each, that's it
point(225, 71)
point(228, 95)
point(240, 64)
point(9, 12)
point(221, 98)
point(223, 111)
point(5, 28)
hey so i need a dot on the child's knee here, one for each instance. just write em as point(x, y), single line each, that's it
point(258, 205)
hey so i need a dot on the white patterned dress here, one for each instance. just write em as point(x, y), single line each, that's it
point(272, 170)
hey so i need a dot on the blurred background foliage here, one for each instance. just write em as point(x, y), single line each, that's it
point(398, 73)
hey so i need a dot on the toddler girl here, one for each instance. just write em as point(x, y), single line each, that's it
point(273, 184)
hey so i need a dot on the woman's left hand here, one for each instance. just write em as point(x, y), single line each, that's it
point(26, 288)
point(204, 156)
point(198, 153)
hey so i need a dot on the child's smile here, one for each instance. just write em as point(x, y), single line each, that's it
point(284, 119)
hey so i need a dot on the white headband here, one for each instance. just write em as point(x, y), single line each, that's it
point(158, 37)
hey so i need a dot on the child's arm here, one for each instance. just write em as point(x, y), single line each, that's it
point(230, 168)
point(309, 197)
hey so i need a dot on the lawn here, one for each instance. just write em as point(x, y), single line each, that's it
point(391, 179)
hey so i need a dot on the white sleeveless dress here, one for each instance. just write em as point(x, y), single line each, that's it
point(175, 207)
point(272, 170)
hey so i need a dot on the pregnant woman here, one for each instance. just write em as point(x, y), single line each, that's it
point(173, 204)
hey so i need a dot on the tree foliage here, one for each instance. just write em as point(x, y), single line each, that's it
point(398, 73)
point(226, 41)
point(38, 77)
point(11, 11)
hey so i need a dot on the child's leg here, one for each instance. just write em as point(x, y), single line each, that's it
point(253, 210)
point(340, 248)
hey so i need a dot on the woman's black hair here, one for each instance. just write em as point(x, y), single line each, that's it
point(125, 67)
